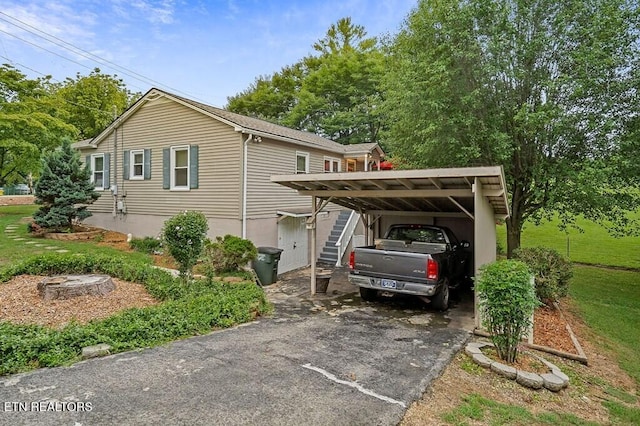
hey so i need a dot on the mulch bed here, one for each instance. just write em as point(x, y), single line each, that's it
point(550, 329)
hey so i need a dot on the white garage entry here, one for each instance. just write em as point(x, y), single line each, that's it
point(293, 239)
point(475, 194)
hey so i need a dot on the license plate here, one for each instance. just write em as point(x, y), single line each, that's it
point(388, 283)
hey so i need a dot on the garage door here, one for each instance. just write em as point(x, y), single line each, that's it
point(293, 239)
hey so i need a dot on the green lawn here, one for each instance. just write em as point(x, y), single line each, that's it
point(609, 302)
point(594, 246)
point(12, 250)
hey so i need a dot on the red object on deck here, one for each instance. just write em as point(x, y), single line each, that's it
point(386, 165)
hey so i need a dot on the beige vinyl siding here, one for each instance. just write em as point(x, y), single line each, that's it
point(275, 158)
point(104, 204)
point(160, 124)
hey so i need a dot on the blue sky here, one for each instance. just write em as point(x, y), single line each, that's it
point(204, 49)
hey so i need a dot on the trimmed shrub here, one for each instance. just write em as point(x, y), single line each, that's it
point(228, 254)
point(551, 270)
point(507, 302)
point(147, 245)
point(184, 235)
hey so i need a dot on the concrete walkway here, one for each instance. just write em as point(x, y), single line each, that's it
point(325, 360)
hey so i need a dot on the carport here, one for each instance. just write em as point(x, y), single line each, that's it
point(471, 194)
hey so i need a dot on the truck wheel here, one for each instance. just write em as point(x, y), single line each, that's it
point(368, 294)
point(441, 300)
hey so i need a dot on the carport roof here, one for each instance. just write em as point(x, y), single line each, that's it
point(442, 192)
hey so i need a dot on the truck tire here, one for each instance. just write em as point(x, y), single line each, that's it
point(368, 294)
point(441, 299)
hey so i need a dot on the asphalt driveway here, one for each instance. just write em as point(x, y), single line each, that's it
point(326, 360)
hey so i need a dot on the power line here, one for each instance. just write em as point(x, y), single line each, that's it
point(83, 53)
point(56, 80)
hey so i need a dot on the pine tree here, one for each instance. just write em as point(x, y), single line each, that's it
point(64, 190)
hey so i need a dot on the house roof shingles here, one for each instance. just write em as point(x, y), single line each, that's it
point(241, 123)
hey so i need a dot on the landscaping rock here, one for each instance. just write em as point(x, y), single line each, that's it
point(482, 360)
point(530, 380)
point(504, 370)
point(95, 351)
point(553, 382)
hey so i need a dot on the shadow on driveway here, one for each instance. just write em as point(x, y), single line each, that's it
point(324, 360)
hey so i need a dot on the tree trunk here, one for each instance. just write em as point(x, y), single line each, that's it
point(514, 228)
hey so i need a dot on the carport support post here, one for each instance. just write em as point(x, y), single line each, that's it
point(313, 245)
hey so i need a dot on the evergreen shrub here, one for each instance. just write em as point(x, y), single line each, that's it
point(228, 254)
point(64, 190)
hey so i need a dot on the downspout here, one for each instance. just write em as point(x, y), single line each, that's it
point(244, 185)
point(114, 188)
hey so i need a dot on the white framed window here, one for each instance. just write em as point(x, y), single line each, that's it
point(332, 165)
point(179, 167)
point(136, 164)
point(302, 162)
point(98, 171)
point(180, 163)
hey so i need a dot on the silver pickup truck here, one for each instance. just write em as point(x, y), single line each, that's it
point(420, 260)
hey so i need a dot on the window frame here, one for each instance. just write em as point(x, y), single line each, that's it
point(94, 157)
point(132, 164)
point(305, 155)
point(173, 151)
point(332, 161)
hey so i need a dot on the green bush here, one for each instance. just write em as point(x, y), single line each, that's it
point(185, 311)
point(551, 270)
point(507, 302)
point(147, 245)
point(184, 235)
point(228, 254)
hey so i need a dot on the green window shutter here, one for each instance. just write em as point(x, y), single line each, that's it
point(166, 168)
point(193, 167)
point(107, 169)
point(87, 164)
point(147, 164)
point(125, 165)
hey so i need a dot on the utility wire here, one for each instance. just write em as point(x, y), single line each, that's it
point(83, 53)
point(58, 81)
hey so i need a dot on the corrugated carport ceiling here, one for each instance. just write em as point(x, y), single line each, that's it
point(446, 191)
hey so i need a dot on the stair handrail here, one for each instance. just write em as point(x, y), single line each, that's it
point(346, 235)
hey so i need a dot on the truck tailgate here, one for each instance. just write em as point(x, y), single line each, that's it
point(391, 264)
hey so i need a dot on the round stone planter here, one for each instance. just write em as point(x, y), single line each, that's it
point(555, 380)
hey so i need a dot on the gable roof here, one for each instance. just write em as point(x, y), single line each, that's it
point(240, 123)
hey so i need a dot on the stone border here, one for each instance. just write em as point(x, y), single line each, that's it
point(554, 381)
point(73, 236)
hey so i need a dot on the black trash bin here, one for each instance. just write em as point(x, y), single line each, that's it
point(266, 264)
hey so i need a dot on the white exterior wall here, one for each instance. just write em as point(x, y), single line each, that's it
point(485, 238)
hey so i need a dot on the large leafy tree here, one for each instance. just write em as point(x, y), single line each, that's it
point(93, 101)
point(272, 97)
point(542, 87)
point(340, 97)
point(335, 93)
point(31, 122)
